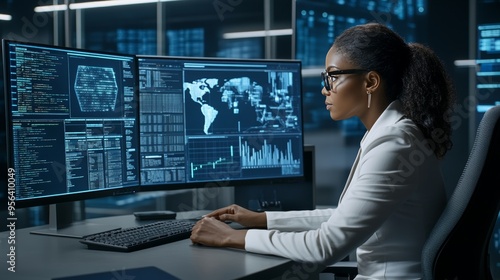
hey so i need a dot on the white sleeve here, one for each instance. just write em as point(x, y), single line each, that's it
point(297, 220)
point(370, 198)
point(323, 245)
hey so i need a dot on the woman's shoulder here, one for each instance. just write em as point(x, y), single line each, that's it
point(391, 124)
point(395, 143)
point(403, 128)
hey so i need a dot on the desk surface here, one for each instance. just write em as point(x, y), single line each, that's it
point(47, 257)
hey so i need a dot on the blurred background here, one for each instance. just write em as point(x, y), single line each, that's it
point(464, 33)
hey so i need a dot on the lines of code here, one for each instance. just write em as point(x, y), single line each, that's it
point(39, 76)
point(74, 121)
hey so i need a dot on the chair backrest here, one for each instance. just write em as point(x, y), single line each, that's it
point(458, 245)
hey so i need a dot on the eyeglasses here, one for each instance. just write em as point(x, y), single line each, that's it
point(332, 75)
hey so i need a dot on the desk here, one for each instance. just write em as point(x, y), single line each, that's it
point(47, 257)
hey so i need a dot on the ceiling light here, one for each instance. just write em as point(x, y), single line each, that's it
point(312, 72)
point(111, 3)
point(50, 8)
point(465, 62)
point(94, 4)
point(5, 17)
point(259, 33)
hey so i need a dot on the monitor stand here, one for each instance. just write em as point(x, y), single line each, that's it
point(58, 227)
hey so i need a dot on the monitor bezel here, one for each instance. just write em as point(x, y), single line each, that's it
point(270, 181)
point(62, 197)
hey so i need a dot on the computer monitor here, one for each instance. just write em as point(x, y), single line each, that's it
point(487, 63)
point(72, 124)
point(219, 122)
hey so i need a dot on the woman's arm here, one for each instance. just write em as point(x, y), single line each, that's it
point(212, 232)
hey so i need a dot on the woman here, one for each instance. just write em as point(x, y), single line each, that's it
point(394, 192)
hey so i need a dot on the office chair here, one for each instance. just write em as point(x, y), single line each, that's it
point(457, 247)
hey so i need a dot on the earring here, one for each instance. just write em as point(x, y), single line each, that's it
point(369, 98)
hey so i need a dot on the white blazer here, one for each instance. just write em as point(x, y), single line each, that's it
point(392, 198)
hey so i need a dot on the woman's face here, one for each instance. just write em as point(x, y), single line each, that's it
point(347, 96)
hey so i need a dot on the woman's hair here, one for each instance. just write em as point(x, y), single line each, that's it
point(412, 73)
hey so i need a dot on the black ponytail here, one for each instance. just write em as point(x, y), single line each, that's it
point(427, 97)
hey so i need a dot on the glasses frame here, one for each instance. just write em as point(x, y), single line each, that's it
point(328, 74)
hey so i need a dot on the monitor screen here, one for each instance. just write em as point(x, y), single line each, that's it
point(72, 123)
point(487, 69)
point(222, 121)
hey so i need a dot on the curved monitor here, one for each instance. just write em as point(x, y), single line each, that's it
point(219, 122)
point(72, 123)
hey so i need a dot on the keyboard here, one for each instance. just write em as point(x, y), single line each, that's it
point(140, 237)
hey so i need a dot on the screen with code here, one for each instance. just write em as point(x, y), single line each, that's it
point(71, 121)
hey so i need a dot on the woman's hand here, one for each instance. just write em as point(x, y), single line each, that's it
point(240, 215)
point(212, 232)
